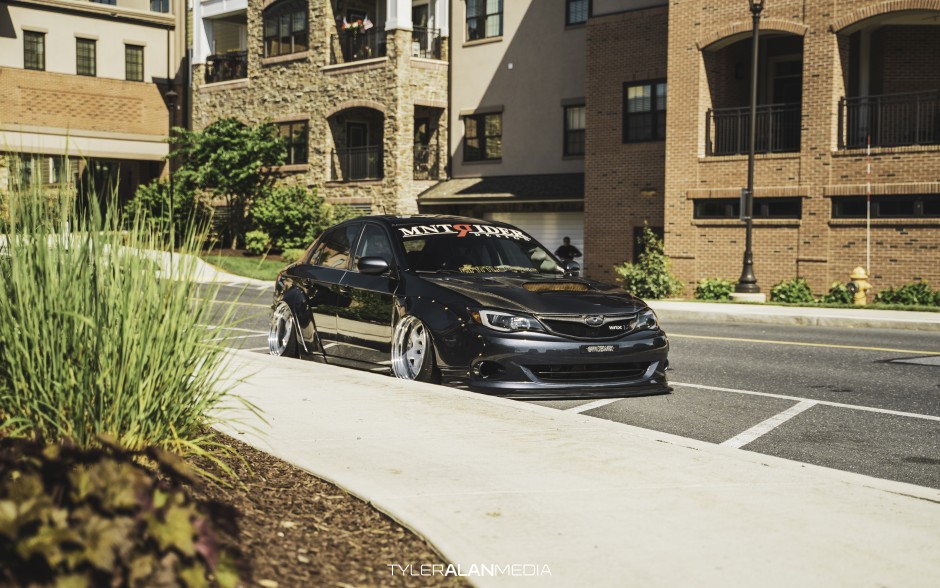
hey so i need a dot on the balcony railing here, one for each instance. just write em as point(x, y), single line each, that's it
point(427, 162)
point(778, 129)
point(891, 120)
point(227, 66)
point(357, 163)
point(355, 46)
point(426, 43)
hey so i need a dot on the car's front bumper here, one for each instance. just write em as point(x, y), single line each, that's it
point(542, 366)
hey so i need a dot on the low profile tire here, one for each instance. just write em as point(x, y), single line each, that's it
point(412, 352)
point(282, 340)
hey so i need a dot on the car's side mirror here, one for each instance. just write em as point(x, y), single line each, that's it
point(572, 268)
point(372, 265)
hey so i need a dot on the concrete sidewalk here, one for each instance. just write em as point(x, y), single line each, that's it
point(492, 482)
point(796, 315)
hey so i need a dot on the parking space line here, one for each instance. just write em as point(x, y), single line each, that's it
point(592, 405)
point(761, 429)
point(230, 337)
point(216, 327)
point(804, 344)
point(913, 415)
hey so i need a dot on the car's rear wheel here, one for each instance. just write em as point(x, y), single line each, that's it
point(282, 341)
point(412, 351)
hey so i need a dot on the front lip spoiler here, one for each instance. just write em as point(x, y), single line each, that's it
point(578, 392)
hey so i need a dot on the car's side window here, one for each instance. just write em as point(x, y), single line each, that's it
point(373, 243)
point(333, 250)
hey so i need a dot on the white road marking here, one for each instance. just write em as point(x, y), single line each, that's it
point(215, 327)
point(761, 429)
point(592, 405)
point(230, 337)
point(265, 349)
point(912, 415)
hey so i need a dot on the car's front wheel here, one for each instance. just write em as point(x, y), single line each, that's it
point(281, 338)
point(412, 351)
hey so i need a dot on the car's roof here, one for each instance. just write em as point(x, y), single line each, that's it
point(423, 219)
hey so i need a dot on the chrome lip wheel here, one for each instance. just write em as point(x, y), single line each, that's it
point(282, 329)
point(410, 348)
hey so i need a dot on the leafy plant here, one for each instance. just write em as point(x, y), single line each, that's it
point(714, 289)
point(230, 160)
point(650, 276)
point(292, 255)
point(838, 294)
point(256, 242)
point(94, 341)
point(152, 201)
point(912, 294)
point(73, 517)
point(294, 217)
point(794, 291)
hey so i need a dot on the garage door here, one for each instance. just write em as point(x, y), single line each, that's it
point(549, 228)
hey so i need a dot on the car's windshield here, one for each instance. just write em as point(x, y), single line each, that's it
point(474, 248)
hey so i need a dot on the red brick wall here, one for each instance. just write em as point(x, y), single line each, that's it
point(816, 247)
point(620, 48)
point(39, 98)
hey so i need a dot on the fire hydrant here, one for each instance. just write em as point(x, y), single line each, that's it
point(859, 286)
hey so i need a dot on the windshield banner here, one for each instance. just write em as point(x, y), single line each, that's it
point(462, 230)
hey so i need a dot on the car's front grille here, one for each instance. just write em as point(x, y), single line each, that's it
point(574, 326)
point(589, 372)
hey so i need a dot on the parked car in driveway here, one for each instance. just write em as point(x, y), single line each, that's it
point(451, 299)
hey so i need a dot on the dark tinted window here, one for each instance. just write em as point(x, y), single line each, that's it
point(333, 250)
point(729, 208)
point(903, 206)
point(374, 243)
point(478, 252)
point(644, 112)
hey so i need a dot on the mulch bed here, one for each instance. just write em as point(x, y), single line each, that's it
point(294, 529)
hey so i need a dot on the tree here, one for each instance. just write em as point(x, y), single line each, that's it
point(229, 160)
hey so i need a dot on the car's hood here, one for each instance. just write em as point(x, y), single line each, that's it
point(540, 294)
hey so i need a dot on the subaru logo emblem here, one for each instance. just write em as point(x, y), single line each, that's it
point(594, 320)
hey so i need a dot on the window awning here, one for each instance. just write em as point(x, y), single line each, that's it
point(505, 189)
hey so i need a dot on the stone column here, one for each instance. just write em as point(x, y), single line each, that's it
point(398, 14)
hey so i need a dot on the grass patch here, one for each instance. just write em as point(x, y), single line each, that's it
point(258, 268)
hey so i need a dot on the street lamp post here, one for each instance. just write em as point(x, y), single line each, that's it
point(171, 103)
point(747, 283)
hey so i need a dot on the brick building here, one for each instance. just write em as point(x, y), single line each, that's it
point(832, 74)
point(82, 89)
point(358, 89)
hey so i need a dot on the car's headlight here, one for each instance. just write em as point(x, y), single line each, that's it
point(505, 321)
point(647, 320)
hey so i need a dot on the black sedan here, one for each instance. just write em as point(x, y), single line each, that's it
point(442, 298)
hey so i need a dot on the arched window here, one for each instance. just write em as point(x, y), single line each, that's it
point(286, 28)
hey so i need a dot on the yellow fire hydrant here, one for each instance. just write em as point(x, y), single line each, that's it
point(859, 286)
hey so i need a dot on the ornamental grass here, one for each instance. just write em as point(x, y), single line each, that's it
point(102, 331)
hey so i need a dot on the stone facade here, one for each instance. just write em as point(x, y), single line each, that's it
point(383, 91)
point(708, 61)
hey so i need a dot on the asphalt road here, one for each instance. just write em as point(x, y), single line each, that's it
point(861, 400)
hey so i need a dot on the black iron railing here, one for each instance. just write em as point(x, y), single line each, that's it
point(778, 129)
point(427, 162)
point(227, 66)
point(357, 163)
point(892, 120)
point(355, 45)
point(426, 43)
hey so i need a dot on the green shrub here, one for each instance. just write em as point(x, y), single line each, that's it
point(838, 294)
point(794, 291)
point(714, 289)
point(256, 242)
point(72, 517)
point(649, 277)
point(294, 217)
point(152, 201)
point(93, 341)
point(911, 294)
point(292, 255)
